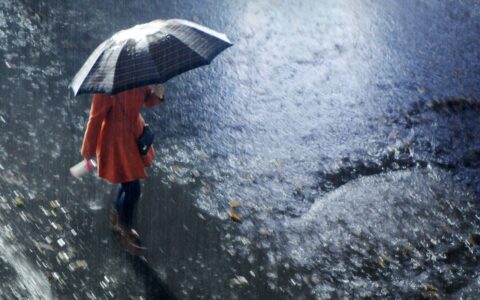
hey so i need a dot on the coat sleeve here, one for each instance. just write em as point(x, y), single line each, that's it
point(151, 99)
point(101, 104)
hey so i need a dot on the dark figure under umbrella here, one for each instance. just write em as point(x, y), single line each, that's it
point(123, 66)
point(114, 125)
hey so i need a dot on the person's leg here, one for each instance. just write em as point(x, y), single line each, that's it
point(127, 198)
point(120, 198)
point(131, 194)
point(115, 210)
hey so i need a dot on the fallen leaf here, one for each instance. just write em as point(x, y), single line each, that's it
point(264, 232)
point(381, 262)
point(421, 90)
point(44, 246)
point(81, 264)
point(239, 280)
point(54, 204)
point(234, 217)
point(19, 201)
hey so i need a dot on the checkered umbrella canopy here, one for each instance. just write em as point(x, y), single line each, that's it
point(147, 54)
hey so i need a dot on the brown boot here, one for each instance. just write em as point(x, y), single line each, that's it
point(114, 220)
point(130, 240)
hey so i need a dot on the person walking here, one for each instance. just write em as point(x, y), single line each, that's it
point(111, 134)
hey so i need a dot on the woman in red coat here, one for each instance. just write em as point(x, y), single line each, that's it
point(111, 136)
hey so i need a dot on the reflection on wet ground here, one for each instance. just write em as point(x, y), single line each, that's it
point(153, 285)
point(345, 134)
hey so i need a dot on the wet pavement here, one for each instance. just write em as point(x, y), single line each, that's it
point(345, 134)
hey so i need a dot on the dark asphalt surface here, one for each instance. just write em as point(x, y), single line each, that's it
point(347, 131)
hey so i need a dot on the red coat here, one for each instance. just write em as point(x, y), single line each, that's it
point(114, 125)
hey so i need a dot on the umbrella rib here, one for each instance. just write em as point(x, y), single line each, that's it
point(199, 28)
point(104, 70)
point(87, 67)
point(120, 67)
point(205, 46)
point(183, 42)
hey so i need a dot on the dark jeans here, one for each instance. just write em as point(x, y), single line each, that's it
point(127, 198)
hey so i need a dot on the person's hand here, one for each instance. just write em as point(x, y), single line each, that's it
point(159, 90)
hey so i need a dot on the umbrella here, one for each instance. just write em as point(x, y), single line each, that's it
point(149, 53)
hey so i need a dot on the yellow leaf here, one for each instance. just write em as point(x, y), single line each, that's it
point(381, 262)
point(19, 201)
point(234, 217)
